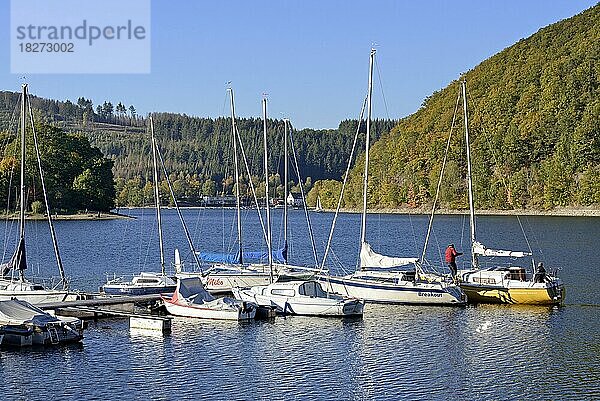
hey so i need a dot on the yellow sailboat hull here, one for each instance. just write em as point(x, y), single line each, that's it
point(554, 295)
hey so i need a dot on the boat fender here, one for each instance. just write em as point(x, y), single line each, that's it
point(287, 307)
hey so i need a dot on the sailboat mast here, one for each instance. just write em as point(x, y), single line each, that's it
point(22, 190)
point(469, 175)
point(264, 104)
point(237, 175)
point(363, 232)
point(157, 199)
point(285, 179)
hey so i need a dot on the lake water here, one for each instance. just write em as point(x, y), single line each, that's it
point(392, 353)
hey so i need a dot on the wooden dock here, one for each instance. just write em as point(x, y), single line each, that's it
point(97, 300)
point(96, 306)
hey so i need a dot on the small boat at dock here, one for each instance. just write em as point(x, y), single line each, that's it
point(145, 283)
point(301, 298)
point(191, 299)
point(22, 324)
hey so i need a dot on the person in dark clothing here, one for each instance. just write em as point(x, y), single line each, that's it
point(540, 273)
point(451, 255)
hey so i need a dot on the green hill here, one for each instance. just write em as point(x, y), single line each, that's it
point(534, 114)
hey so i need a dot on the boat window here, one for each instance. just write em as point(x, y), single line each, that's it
point(408, 276)
point(286, 292)
point(312, 289)
point(147, 281)
point(37, 287)
point(517, 274)
point(319, 291)
point(484, 280)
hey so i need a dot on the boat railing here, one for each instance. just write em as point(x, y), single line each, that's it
point(48, 282)
point(115, 277)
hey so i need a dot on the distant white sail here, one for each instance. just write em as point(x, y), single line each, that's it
point(369, 258)
point(480, 249)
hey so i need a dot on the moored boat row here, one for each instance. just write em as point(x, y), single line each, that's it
point(295, 290)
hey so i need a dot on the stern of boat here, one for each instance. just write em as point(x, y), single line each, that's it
point(354, 307)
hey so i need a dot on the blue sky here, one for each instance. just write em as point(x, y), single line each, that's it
point(310, 57)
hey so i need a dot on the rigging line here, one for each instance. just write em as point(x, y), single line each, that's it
point(382, 93)
point(12, 170)
point(439, 184)
point(503, 176)
point(262, 223)
point(337, 260)
point(489, 143)
point(61, 269)
point(185, 229)
point(142, 262)
point(227, 160)
point(532, 231)
point(462, 234)
point(412, 228)
point(524, 235)
point(346, 174)
point(6, 225)
point(297, 169)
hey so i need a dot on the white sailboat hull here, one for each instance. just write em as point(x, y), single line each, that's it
point(35, 294)
point(223, 282)
point(307, 306)
point(224, 278)
point(38, 297)
point(210, 310)
point(393, 291)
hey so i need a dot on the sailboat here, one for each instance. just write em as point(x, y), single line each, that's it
point(20, 287)
point(227, 271)
point(306, 298)
point(382, 278)
point(146, 283)
point(191, 299)
point(318, 207)
point(505, 284)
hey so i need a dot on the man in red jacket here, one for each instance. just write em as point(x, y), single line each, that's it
point(451, 255)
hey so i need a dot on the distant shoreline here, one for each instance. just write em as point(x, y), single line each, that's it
point(565, 212)
point(562, 211)
point(76, 216)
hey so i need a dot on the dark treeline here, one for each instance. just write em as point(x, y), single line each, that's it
point(198, 154)
point(82, 112)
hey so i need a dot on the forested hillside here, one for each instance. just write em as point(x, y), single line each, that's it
point(534, 116)
point(197, 151)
